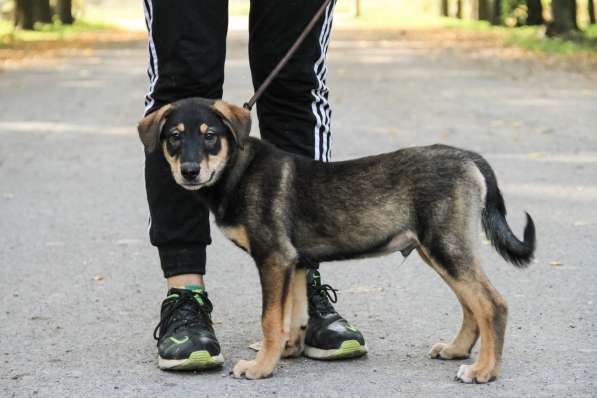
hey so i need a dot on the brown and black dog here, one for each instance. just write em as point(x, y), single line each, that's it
point(287, 211)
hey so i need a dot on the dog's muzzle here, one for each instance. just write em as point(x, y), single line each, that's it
point(189, 171)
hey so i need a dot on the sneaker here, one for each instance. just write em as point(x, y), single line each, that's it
point(186, 338)
point(328, 335)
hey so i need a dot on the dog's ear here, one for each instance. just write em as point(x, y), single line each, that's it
point(151, 126)
point(236, 118)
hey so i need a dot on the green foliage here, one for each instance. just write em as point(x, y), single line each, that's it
point(533, 38)
point(47, 32)
point(468, 24)
point(514, 12)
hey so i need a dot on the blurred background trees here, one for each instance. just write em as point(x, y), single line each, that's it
point(571, 22)
point(560, 17)
point(27, 13)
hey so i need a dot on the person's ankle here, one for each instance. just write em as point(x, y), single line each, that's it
point(182, 281)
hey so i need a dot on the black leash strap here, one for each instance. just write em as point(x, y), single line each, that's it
point(289, 54)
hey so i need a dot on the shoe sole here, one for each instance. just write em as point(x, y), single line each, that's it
point(198, 360)
point(348, 349)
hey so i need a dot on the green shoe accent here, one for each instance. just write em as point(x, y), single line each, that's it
point(196, 289)
point(181, 341)
point(198, 360)
point(349, 349)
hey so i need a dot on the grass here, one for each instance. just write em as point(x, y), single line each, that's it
point(48, 32)
point(389, 14)
point(533, 37)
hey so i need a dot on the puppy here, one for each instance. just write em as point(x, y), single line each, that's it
point(287, 211)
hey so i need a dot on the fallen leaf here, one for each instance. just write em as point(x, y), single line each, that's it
point(98, 278)
point(255, 346)
point(555, 263)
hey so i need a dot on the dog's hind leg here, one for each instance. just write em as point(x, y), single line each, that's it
point(276, 274)
point(485, 314)
point(460, 347)
point(491, 313)
point(299, 315)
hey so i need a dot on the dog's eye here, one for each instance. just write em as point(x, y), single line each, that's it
point(210, 137)
point(174, 137)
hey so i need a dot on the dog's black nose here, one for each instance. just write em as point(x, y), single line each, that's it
point(190, 171)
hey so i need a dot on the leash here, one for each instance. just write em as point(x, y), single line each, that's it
point(249, 105)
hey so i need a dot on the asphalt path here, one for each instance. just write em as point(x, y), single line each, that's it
point(81, 286)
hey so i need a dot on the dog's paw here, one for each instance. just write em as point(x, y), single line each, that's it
point(241, 367)
point(251, 370)
point(447, 351)
point(468, 374)
point(293, 350)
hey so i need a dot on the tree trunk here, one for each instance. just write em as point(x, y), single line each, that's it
point(24, 14)
point(496, 17)
point(42, 11)
point(64, 10)
point(484, 10)
point(535, 12)
point(444, 8)
point(591, 12)
point(459, 9)
point(563, 18)
point(574, 12)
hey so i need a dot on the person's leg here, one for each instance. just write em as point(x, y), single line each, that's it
point(187, 48)
point(294, 114)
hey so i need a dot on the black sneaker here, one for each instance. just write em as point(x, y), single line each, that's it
point(186, 338)
point(328, 335)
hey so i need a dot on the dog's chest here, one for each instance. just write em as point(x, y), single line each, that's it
point(238, 235)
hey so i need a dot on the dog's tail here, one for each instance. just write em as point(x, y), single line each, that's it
point(519, 253)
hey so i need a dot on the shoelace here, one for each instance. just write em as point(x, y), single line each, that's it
point(321, 297)
point(199, 313)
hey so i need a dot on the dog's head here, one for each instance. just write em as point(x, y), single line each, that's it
point(197, 137)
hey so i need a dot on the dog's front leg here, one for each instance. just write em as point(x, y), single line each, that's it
point(299, 315)
point(276, 280)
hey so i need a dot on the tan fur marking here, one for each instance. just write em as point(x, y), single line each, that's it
point(174, 163)
point(203, 128)
point(180, 127)
point(299, 316)
point(236, 118)
point(273, 342)
point(485, 313)
point(238, 235)
point(214, 164)
point(275, 320)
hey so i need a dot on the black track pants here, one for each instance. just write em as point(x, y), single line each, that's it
point(187, 48)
